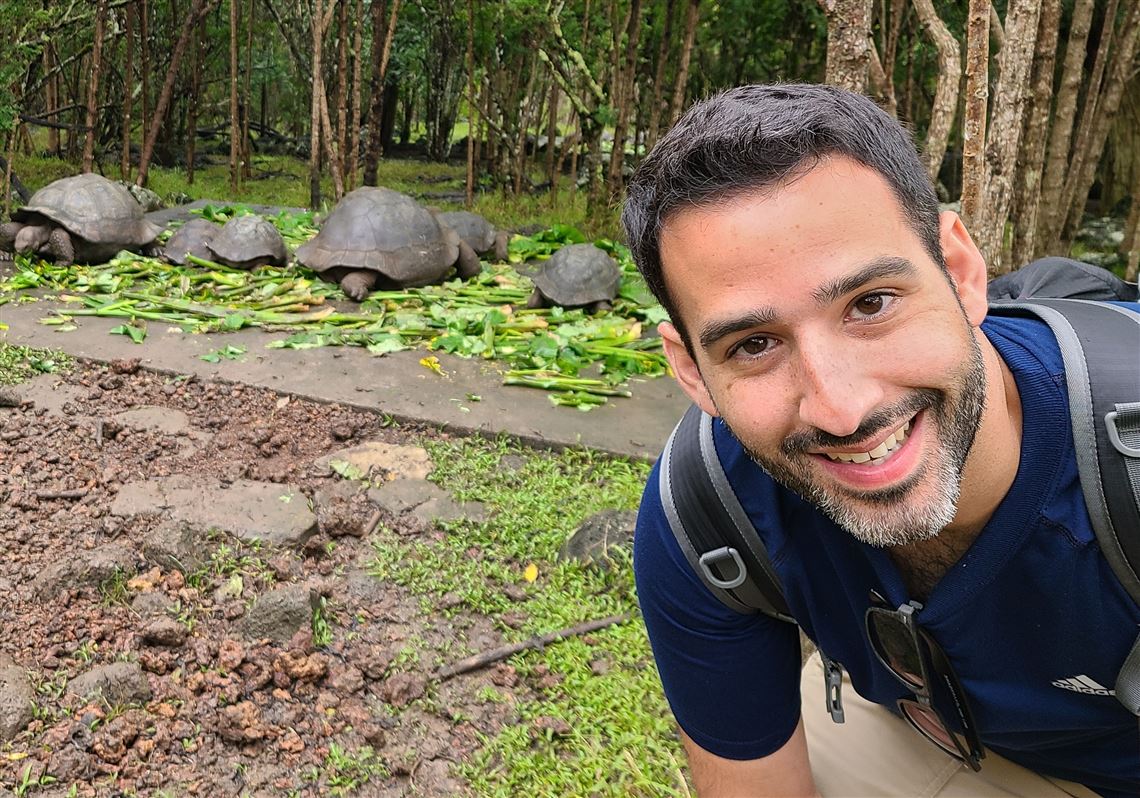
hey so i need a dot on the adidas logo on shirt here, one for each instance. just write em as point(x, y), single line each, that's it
point(1083, 684)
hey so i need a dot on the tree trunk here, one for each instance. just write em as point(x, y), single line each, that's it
point(342, 84)
point(235, 123)
point(246, 97)
point(52, 91)
point(1027, 196)
point(354, 130)
point(128, 88)
point(1060, 137)
point(198, 10)
point(192, 105)
point(624, 101)
point(93, 86)
point(1005, 130)
point(848, 42)
point(525, 107)
point(552, 136)
point(1090, 142)
point(946, 93)
point(656, 111)
point(1131, 243)
point(381, 49)
point(682, 78)
point(974, 120)
point(469, 185)
point(317, 31)
point(144, 72)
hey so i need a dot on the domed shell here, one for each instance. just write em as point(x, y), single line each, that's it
point(579, 274)
point(471, 227)
point(94, 208)
point(192, 238)
point(249, 240)
point(384, 231)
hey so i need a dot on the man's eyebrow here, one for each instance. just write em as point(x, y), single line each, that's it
point(887, 266)
point(713, 331)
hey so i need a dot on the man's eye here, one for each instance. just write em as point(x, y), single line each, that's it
point(871, 305)
point(756, 345)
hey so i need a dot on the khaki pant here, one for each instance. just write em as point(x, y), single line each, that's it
point(874, 754)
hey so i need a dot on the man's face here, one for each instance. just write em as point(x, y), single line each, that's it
point(833, 347)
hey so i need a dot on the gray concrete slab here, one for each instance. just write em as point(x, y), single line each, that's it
point(395, 384)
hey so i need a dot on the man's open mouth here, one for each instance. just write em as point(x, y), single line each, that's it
point(881, 453)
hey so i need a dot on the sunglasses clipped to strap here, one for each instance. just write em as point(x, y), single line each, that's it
point(916, 660)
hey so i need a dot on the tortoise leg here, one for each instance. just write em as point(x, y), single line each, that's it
point(468, 264)
point(31, 237)
point(536, 300)
point(60, 247)
point(8, 232)
point(358, 283)
point(600, 306)
point(502, 240)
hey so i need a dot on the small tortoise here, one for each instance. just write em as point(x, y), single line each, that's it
point(246, 242)
point(578, 275)
point(192, 238)
point(378, 236)
point(85, 218)
point(478, 233)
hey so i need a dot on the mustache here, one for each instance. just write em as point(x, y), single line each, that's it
point(880, 420)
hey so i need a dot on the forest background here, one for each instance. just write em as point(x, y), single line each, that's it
point(1025, 110)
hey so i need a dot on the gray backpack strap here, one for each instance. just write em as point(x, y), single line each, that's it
point(712, 529)
point(1100, 347)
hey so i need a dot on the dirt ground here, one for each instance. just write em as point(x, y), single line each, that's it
point(197, 704)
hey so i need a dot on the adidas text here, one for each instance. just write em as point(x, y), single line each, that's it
point(1083, 684)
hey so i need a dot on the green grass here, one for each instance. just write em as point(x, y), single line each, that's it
point(622, 740)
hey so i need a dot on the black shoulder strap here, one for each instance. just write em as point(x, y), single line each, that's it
point(1100, 347)
point(713, 530)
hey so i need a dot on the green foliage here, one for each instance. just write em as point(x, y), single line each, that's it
point(536, 500)
point(20, 363)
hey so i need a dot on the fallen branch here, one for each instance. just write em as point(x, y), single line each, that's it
point(61, 494)
point(477, 661)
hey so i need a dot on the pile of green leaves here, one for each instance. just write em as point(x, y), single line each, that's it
point(582, 359)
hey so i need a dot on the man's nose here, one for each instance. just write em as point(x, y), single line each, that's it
point(837, 388)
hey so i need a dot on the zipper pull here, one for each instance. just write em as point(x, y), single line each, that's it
point(833, 686)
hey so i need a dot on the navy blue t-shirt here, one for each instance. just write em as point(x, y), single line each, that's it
point(1031, 610)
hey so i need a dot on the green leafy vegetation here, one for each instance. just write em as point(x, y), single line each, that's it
point(20, 363)
point(346, 771)
point(621, 739)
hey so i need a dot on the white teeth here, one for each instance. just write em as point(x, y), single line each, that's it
point(880, 453)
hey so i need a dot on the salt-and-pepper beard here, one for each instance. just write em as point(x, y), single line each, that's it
point(890, 517)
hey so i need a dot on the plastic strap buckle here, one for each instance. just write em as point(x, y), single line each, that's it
point(721, 555)
point(1125, 413)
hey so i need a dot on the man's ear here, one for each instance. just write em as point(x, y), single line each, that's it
point(685, 369)
point(966, 266)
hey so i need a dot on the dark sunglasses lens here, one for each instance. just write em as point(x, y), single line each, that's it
point(926, 720)
point(896, 645)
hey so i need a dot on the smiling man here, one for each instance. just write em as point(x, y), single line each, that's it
point(893, 448)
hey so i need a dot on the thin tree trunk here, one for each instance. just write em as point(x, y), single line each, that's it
point(552, 135)
point(624, 100)
point(469, 185)
point(198, 9)
point(1027, 196)
point(93, 86)
point(974, 120)
point(342, 84)
point(848, 42)
point(192, 105)
point(523, 123)
point(354, 130)
point(656, 111)
point(1090, 144)
point(235, 123)
point(1060, 137)
point(144, 72)
point(329, 139)
point(128, 88)
point(317, 30)
point(246, 141)
point(52, 91)
point(1005, 129)
point(946, 94)
point(1131, 243)
point(682, 78)
point(379, 74)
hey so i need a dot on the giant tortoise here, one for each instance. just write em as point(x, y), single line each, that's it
point(578, 275)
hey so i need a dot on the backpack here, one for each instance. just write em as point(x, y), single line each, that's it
point(1100, 348)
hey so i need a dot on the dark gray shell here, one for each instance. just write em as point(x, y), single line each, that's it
point(472, 228)
point(192, 238)
point(248, 240)
point(383, 231)
point(93, 208)
point(579, 274)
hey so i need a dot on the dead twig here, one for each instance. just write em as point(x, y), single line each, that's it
point(99, 434)
point(477, 661)
point(79, 493)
